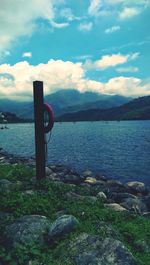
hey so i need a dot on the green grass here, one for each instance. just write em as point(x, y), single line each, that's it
point(48, 199)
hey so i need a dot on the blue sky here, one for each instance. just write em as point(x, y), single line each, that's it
point(95, 45)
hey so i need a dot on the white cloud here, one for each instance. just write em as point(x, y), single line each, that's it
point(112, 29)
point(68, 14)
point(110, 61)
point(127, 86)
point(94, 7)
point(19, 18)
point(129, 12)
point(122, 8)
point(16, 80)
point(59, 25)
point(129, 69)
point(27, 54)
point(85, 26)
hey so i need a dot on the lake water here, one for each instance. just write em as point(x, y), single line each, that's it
point(118, 149)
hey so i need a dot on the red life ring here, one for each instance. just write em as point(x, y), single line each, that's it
point(50, 113)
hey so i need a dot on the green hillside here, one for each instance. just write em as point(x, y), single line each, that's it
point(137, 109)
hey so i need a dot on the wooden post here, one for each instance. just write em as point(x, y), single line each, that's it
point(39, 129)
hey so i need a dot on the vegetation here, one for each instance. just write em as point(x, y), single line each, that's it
point(8, 117)
point(49, 198)
point(137, 109)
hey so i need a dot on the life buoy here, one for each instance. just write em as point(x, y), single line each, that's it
point(50, 113)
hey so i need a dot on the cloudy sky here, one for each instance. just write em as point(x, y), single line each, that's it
point(94, 45)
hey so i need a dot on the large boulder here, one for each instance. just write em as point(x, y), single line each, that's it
point(63, 225)
point(135, 205)
point(139, 187)
point(120, 196)
point(26, 230)
point(94, 250)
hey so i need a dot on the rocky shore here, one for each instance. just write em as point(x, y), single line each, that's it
point(131, 198)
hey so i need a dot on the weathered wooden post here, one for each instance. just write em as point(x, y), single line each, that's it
point(39, 129)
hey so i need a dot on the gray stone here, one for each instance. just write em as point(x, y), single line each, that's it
point(26, 230)
point(90, 180)
point(72, 179)
point(63, 225)
point(115, 206)
point(48, 171)
point(101, 195)
point(87, 173)
point(135, 205)
point(120, 196)
point(139, 187)
point(118, 187)
point(94, 250)
point(60, 169)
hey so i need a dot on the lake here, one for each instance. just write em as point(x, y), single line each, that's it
point(117, 149)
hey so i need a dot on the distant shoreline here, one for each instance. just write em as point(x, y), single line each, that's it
point(59, 121)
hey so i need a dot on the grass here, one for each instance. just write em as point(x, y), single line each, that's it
point(49, 198)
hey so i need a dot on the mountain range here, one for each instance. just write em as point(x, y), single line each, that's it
point(137, 109)
point(65, 101)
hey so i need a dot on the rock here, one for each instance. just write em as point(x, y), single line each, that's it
point(98, 187)
point(75, 196)
point(6, 186)
point(60, 169)
point(139, 187)
point(72, 179)
point(63, 225)
point(48, 171)
point(115, 206)
point(101, 177)
point(53, 177)
point(101, 195)
point(146, 214)
point(135, 205)
point(94, 250)
point(119, 197)
point(87, 173)
point(90, 180)
point(117, 186)
point(26, 230)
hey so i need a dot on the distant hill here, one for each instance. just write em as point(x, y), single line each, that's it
point(8, 117)
point(21, 109)
point(103, 103)
point(63, 101)
point(137, 109)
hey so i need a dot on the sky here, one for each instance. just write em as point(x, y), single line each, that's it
point(89, 45)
